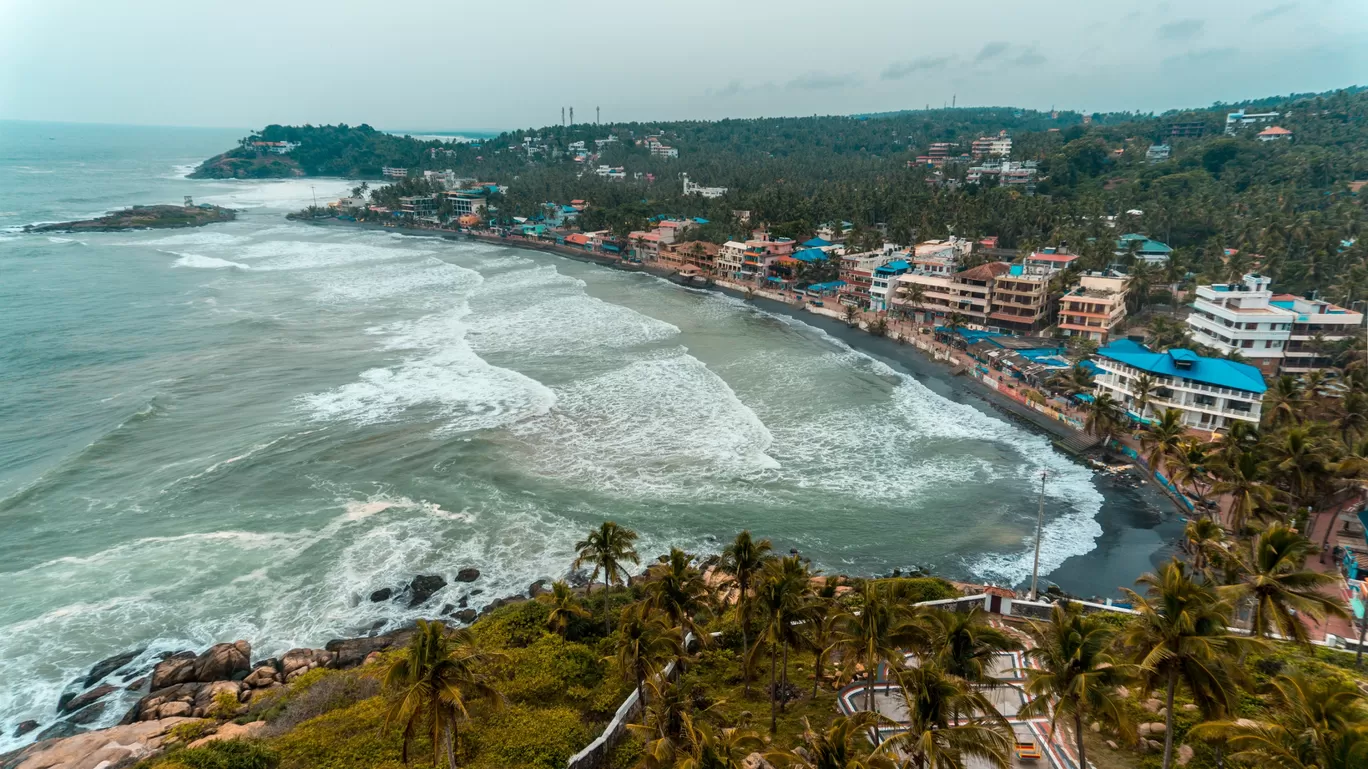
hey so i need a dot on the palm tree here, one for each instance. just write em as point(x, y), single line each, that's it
point(700, 745)
point(1205, 540)
point(823, 617)
point(954, 321)
point(677, 589)
point(779, 596)
point(1181, 636)
point(564, 605)
point(1077, 380)
point(1162, 439)
point(963, 644)
point(1242, 479)
point(1298, 461)
point(1322, 724)
point(645, 642)
point(874, 635)
point(842, 745)
point(935, 736)
point(607, 547)
point(1104, 417)
point(1143, 388)
point(743, 559)
point(1276, 583)
point(914, 296)
point(1283, 403)
point(1077, 672)
point(1189, 466)
point(434, 680)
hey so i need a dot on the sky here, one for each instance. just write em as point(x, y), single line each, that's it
point(482, 66)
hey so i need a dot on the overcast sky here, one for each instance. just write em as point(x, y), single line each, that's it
point(454, 64)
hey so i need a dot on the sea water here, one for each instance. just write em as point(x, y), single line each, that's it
point(241, 431)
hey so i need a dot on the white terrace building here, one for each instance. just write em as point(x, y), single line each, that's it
point(1211, 393)
point(1241, 316)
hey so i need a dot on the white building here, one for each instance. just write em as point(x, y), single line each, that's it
point(1009, 173)
point(999, 146)
point(1158, 153)
point(612, 173)
point(1210, 393)
point(1318, 325)
point(1241, 316)
point(730, 258)
point(1274, 134)
point(1240, 119)
point(697, 189)
point(394, 173)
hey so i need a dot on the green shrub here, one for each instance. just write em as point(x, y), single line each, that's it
point(528, 738)
point(191, 730)
point(544, 672)
point(227, 754)
point(345, 739)
point(226, 705)
point(626, 753)
point(512, 626)
point(316, 693)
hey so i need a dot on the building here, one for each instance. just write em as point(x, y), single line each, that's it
point(857, 272)
point(1274, 134)
point(419, 206)
point(1242, 317)
point(968, 293)
point(1317, 327)
point(277, 148)
point(885, 283)
point(465, 202)
point(394, 173)
point(1021, 302)
point(1009, 173)
point(1187, 129)
point(645, 246)
point(697, 189)
point(1095, 307)
point(1158, 153)
point(1147, 249)
point(761, 253)
point(1241, 119)
point(659, 149)
point(730, 257)
point(999, 146)
point(611, 173)
point(698, 254)
point(1210, 393)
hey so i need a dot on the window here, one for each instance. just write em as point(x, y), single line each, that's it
point(1247, 343)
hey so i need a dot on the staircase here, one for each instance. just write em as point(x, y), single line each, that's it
point(1078, 443)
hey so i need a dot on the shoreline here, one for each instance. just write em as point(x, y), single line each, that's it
point(1140, 525)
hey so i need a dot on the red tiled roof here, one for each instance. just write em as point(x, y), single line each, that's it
point(1274, 131)
point(985, 271)
point(1053, 257)
point(578, 239)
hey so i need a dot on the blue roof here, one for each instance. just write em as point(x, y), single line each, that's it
point(816, 243)
point(1147, 243)
point(1213, 371)
point(810, 255)
point(893, 267)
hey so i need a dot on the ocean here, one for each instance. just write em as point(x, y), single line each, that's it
point(242, 430)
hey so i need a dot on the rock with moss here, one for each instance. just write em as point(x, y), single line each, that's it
point(144, 218)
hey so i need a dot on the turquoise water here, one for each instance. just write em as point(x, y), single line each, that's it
point(240, 431)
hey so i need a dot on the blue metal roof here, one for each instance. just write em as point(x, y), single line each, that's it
point(1147, 245)
point(832, 286)
point(810, 255)
point(816, 243)
point(700, 220)
point(893, 267)
point(1213, 371)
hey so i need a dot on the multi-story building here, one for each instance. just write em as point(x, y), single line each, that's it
point(1317, 327)
point(645, 246)
point(1187, 129)
point(730, 257)
point(1021, 299)
point(1158, 153)
point(1009, 173)
point(968, 292)
point(1095, 308)
point(857, 271)
point(1240, 119)
point(1210, 393)
point(999, 146)
point(884, 283)
point(691, 188)
point(418, 206)
point(612, 173)
point(464, 202)
point(658, 149)
point(1147, 249)
point(696, 253)
point(394, 173)
point(1241, 317)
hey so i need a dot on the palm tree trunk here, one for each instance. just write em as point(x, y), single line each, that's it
point(783, 703)
point(641, 686)
point(816, 673)
point(774, 718)
point(745, 644)
point(1168, 718)
point(451, 746)
point(1078, 732)
point(607, 619)
point(1363, 630)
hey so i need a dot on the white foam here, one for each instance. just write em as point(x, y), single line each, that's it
point(205, 262)
point(277, 255)
point(278, 194)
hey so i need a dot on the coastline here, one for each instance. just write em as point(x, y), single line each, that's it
point(1140, 525)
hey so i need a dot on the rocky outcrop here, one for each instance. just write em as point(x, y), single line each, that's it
point(351, 652)
point(195, 699)
point(425, 585)
point(296, 662)
point(110, 665)
point(383, 594)
point(537, 588)
point(221, 662)
point(81, 700)
point(468, 574)
point(117, 746)
point(25, 727)
point(231, 731)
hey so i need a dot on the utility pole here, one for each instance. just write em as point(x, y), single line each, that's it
point(562, 117)
point(315, 195)
point(596, 115)
point(1040, 524)
point(572, 116)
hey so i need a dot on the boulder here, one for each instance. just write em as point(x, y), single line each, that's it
point(204, 704)
point(1123, 692)
point(232, 731)
point(468, 574)
point(1184, 754)
point(297, 662)
point(1154, 746)
point(25, 727)
point(1112, 744)
point(222, 661)
point(110, 665)
point(59, 731)
point(179, 668)
point(447, 609)
point(756, 761)
point(1153, 705)
point(90, 714)
point(81, 700)
point(1188, 707)
point(466, 615)
point(138, 685)
point(383, 594)
point(350, 652)
point(464, 602)
point(172, 701)
point(1097, 727)
point(537, 589)
point(1157, 727)
point(262, 677)
point(114, 747)
point(422, 588)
